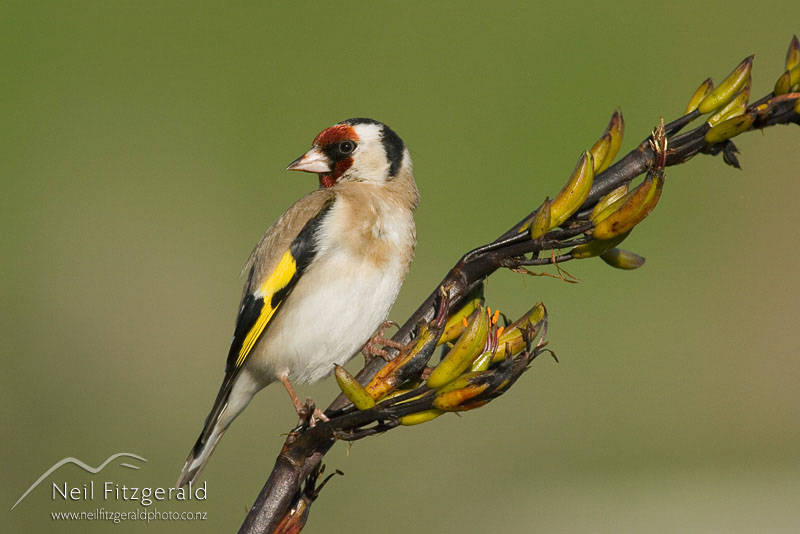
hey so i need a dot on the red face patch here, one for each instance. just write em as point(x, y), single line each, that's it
point(328, 138)
point(334, 134)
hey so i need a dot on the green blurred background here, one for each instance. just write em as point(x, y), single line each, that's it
point(142, 151)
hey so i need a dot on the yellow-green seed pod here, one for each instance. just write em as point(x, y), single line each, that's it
point(622, 259)
point(420, 417)
point(468, 347)
point(735, 107)
point(451, 401)
point(483, 362)
point(615, 129)
point(466, 379)
point(574, 193)
point(731, 85)
point(541, 221)
point(638, 205)
point(465, 387)
point(354, 391)
point(517, 341)
point(706, 87)
point(412, 359)
point(794, 78)
point(534, 315)
point(600, 151)
point(596, 247)
point(606, 201)
point(730, 128)
point(793, 54)
point(455, 323)
point(514, 343)
point(783, 85)
point(611, 208)
point(513, 340)
point(389, 376)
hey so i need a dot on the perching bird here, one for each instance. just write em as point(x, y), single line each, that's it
point(323, 277)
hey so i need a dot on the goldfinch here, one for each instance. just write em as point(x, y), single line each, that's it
point(323, 277)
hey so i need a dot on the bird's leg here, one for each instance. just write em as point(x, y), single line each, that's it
point(298, 406)
point(302, 409)
point(371, 348)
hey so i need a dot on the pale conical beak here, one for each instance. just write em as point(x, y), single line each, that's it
point(312, 161)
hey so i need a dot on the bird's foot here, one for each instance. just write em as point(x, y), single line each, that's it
point(372, 346)
point(308, 413)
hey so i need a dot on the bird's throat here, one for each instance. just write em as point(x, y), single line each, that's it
point(326, 180)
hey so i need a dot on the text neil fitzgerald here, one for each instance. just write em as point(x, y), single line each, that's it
point(144, 496)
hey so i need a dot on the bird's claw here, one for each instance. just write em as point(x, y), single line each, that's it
point(309, 414)
point(372, 346)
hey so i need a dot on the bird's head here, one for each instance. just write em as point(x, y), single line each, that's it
point(355, 150)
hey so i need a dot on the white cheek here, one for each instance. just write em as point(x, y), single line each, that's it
point(369, 166)
point(369, 159)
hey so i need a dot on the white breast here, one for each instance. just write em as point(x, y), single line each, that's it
point(342, 298)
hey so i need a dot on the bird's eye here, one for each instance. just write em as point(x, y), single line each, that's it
point(346, 147)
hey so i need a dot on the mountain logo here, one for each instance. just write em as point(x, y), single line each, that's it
point(82, 465)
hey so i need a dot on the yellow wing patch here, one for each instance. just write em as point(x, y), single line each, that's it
point(279, 279)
